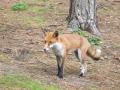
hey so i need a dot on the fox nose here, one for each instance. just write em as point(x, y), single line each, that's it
point(45, 50)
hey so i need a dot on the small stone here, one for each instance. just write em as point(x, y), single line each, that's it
point(102, 58)
point(105, 57)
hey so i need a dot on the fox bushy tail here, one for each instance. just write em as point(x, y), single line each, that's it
point(94, 52)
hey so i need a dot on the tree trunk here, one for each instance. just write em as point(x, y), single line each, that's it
point(82, 14)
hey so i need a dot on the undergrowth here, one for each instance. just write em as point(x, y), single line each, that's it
point(94, 40)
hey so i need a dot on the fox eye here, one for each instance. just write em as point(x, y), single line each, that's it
point(45, 41)
point(50, 42)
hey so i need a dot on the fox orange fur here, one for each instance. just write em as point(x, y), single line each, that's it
point(61, 44)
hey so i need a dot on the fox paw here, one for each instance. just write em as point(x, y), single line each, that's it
point(60, 76)
point(81, 74)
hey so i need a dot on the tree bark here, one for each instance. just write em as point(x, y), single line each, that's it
point(82, 14)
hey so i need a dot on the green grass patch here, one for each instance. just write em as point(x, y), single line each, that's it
point(37, 9)
point(19, 6)
point(41, 10)
point(39, 6)
point(23, 83)
point(51, 6)
point(45, 0)
point(4, 58)
point(1, 7)
point(39, 20)
point(32, 21)
point(94, 40)
point(26, 21)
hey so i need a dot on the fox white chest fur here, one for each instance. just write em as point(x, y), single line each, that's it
point(58, 48)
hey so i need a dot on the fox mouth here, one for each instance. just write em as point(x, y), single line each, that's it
point(46, 50)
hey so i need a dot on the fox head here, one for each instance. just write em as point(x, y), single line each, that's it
point(50, 39)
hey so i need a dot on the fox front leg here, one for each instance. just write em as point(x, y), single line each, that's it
point(60, 65)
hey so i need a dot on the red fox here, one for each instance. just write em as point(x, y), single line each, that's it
point(61, 44)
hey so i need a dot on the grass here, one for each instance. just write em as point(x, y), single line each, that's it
point(41, 9)
point(39, 19)
point(45, 0)
point(37, 9)
point(4, 58)
point(26, 21)
point(19, 6)
point(11, 82)
point(1, 7)
point(94, 40)
point(33, 14)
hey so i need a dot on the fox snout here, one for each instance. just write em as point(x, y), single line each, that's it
point(46, 49)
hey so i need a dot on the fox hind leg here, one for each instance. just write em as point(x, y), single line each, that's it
point(81, 57)
point(77, 54)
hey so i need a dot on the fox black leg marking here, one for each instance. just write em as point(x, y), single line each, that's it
point(60, 65)
point(78, 54)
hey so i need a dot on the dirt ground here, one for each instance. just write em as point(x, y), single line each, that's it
point(21, 45)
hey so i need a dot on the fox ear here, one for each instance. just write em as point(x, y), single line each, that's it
point(44, 31)
point(55, 34)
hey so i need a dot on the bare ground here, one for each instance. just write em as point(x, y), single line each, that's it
point(21, 46)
